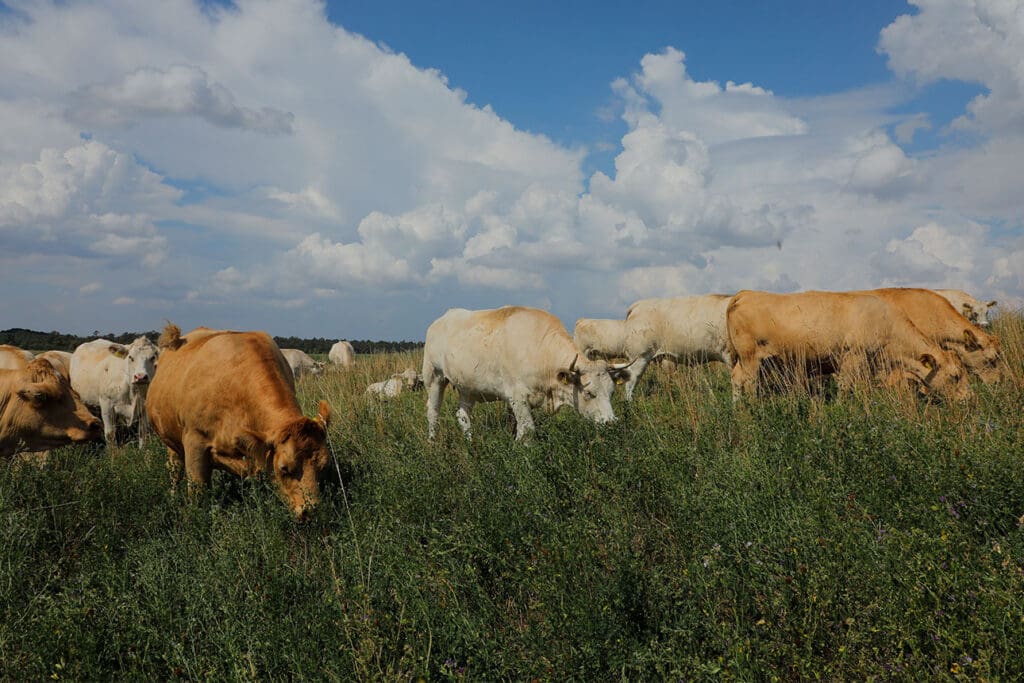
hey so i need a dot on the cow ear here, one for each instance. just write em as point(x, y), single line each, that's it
point(118, 350)
point(971, 340)
point(565, 377)
point(619, 375)
point(928, 360)
point(323, 416)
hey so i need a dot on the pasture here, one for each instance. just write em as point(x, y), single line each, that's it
point(867, 536)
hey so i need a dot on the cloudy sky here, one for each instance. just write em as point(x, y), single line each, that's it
point(353, 169)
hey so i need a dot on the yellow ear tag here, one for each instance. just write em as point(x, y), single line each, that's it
point(564, 379)
point(927, 364)
point(620, 380)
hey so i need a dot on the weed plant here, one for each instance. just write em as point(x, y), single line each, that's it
point(851, 536)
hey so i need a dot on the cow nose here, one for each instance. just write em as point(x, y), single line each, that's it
point(140, 378)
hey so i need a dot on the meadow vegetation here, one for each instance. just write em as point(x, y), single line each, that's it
point(861, 536)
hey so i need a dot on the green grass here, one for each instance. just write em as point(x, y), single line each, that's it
point(790, 538)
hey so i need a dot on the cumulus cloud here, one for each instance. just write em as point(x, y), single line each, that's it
point(179, 90)
point(374, 189)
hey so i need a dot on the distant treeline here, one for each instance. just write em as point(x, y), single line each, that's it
point(57, 341)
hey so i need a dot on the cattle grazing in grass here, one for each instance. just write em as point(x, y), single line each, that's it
point(519, 355)
point(689, 329)
point(966, 305)
point(226, 400)
point(39, 410)
point(115, 378)
point(302, 363)
point(937, 320)
point(342, 354)
point(849, 334)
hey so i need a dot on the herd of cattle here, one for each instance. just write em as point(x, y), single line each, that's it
point(226, 400)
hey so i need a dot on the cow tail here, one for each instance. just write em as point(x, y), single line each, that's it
point(170, 338)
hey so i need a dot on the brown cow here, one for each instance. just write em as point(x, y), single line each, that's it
point(226, 400)
point(939, 321)
point(836, 332)
point(39, 410)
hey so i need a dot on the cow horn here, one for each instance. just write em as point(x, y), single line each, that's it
point(613, 366)
point(572, 365)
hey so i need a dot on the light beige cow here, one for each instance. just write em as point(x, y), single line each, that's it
point(689, 329)
point(302, 363)
point(836, 332)
point(408, 380)
point(342, 354)
point(519, 355)
point(13, 358)
point(967, 306)
point(115, 378)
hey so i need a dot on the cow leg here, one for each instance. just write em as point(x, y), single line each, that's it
point(435, 392)
point(465, 408)
point(109, 416)
point(852, 368)
point(198, 463)
point(175, 466)
point(524, 420)
point(742, 380)
point(636, 372)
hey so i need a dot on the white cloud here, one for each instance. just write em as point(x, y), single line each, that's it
point(320, 170)
point(179, 90)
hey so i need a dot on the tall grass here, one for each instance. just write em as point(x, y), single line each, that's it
point(789, 537)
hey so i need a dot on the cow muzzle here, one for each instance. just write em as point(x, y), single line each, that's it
point(140, 378)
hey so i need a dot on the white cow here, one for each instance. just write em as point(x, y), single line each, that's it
point(115, 378)
point(519, 355)
point(342, 354)
point(409, 380)
point(13, 358)
point(967, 306)
point(302, 363)
point(689, 329)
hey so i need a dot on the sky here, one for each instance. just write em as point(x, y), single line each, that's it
point(353, 169)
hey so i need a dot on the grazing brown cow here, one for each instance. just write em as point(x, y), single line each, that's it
point(39, 410)
point(226, 400)
point(939, 321)
point(840, 332)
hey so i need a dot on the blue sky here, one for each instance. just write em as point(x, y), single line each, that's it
point(269, 165)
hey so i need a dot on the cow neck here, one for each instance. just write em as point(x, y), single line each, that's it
point(275, 408)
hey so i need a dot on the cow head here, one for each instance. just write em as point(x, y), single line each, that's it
point(410, 378)
point(298, 454)
point(977, 312)
point(981, 355)
point(141, 355)
point(43, 411)
point(318, 368)
point(940, 373)
point(587, 386)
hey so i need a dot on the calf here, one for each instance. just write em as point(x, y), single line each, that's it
point(302, 363)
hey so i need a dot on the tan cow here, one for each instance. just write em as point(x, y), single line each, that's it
point(302, 363)
point(967, 306)
point(689, 329)
point(936, 318)
point(13, 358)
point(519, 355)
point(60, 360)
point(342, 354)
point(226, 400)
point(837, 332)
point(39, 410)
point(115, 379)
